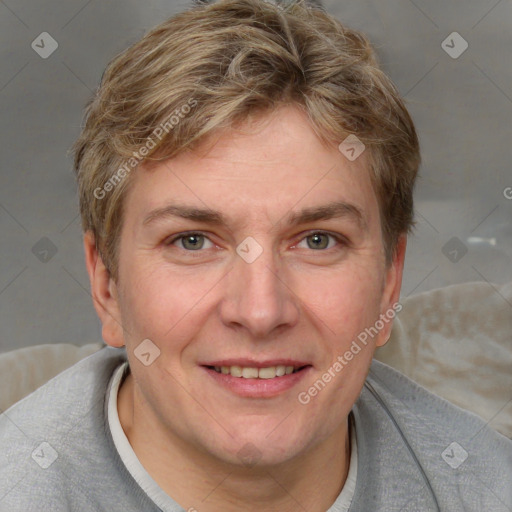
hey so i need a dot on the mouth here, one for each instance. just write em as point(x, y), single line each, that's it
point(249, 379)
point(254, 372)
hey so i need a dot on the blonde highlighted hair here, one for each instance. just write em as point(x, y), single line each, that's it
point(211, 67)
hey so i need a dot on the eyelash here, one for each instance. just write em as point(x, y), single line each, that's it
point(339, 238)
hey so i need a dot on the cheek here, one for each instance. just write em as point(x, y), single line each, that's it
point(159, 305)
point(347, 300)
point(170, 308)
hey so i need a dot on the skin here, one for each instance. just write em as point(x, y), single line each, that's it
point(200, 304)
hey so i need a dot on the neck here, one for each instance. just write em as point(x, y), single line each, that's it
point(196, 480)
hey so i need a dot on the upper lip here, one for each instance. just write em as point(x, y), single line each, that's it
point(251, 363)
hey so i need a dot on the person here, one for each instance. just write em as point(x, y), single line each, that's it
point(245, 177)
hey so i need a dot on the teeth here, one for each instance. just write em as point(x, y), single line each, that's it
point(236, 371)
point(267, 373)
point(255, 373)
point(250, 373)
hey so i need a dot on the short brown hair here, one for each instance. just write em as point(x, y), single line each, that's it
point(212, 66)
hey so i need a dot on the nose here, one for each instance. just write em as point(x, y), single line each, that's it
point(259, 296)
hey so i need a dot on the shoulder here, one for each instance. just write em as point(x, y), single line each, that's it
point(414, 401)
point(456, 450)
point(47, 434)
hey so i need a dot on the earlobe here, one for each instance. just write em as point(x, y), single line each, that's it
point(104, 294)
point(391, 292)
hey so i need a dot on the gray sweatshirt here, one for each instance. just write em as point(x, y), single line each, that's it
point(415, 451)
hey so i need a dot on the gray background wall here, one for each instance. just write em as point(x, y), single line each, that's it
point(462, 108)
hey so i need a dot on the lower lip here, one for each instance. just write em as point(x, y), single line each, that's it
point(258, 388)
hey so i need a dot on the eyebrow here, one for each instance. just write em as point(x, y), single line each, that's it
point(333, 210)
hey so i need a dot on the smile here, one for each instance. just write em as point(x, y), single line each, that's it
point(262, 381)
point(245, 372)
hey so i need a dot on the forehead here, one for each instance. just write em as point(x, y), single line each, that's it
point(271, 166)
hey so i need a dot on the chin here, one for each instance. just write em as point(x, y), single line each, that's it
point(262, 445)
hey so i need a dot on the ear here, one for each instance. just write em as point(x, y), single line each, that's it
point(104, 294)
point(391, 293)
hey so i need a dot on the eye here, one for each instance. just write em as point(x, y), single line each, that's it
point(190, 241)
point(319, 240)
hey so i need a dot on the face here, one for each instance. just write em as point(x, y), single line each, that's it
point(264, 278)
